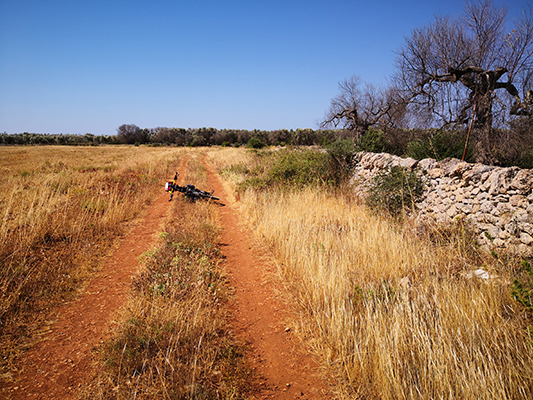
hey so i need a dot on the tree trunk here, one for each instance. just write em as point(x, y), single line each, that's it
point(482, 130)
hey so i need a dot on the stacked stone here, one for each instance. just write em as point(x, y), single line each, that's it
point(497, 202)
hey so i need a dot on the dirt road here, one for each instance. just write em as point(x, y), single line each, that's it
point(261, 318)
point(55, 367)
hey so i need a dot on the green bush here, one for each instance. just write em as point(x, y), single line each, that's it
point(440, 144)
point(522, 291)
point(255, 143)
point(394, 191)
point(514, 154)
point(298, 168)
point(341, 160)
point(372, 141)
point(522, 288)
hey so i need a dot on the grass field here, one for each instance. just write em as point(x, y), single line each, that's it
point(388, 308)
point(61, 209)
point(390, 311)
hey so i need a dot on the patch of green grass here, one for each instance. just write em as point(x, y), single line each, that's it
point(440, 144)
point(296, 168)
point(522, 288)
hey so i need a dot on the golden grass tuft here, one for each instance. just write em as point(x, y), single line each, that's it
point(222, 158)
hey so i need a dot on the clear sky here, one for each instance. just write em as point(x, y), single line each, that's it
point(79, 66)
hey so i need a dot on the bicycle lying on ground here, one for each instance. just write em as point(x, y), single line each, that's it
point(190, 191)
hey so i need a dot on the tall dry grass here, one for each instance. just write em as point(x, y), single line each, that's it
point(172, 340)
point(222, 158)
point(392, 314)
point(61, 208)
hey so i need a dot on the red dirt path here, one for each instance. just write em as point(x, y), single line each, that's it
point(259, 316)
point(60, 363)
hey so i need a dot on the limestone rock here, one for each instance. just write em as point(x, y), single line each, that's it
point(477, 174)
point(436, 172)
point(526, 238)
point(516, 200)
point(497, 202)
point(523, 180)
point(480, 273)
point(428, 163)
point(452, 166)
point(501, 178)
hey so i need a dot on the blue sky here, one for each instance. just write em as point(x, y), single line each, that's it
point(69, 66)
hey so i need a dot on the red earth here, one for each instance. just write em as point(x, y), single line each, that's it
point(62, 361)
point(261, 318)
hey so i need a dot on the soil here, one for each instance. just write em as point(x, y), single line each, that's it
point(260, 317)
point(61, 362)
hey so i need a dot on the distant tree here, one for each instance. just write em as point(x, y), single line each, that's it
point(143, 135)
point(243, 136)
point(227, 136)
point(166, 135)
point(360, 106)
point(206, 134)
point(128, 133)
point(304, 137)
point(89, 138)
point(457, 68)
point(131, 134)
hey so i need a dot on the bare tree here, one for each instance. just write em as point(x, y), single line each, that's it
point(356, 109)
point(455, 68)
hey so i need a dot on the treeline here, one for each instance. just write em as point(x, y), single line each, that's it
point(132, 134)
point(56, 139)
point(512, 147)
point(193, 137)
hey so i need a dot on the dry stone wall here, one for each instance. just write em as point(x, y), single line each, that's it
point(497, 202)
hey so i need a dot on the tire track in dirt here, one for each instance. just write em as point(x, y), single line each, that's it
point(55, 367)
point(279, 357)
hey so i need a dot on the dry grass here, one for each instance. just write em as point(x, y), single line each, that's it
point(392, 314)
point(223, 157)
point(172, 340)
point(61, 209)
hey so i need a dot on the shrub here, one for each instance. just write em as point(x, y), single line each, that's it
point(341, 156)
point(287, 168)
point(514, 147)
point(522, 288)
point(373, 141)
point(298, 168)
point(440, 144)
point(395, 190)
point(255, 143)
point(294, 168)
